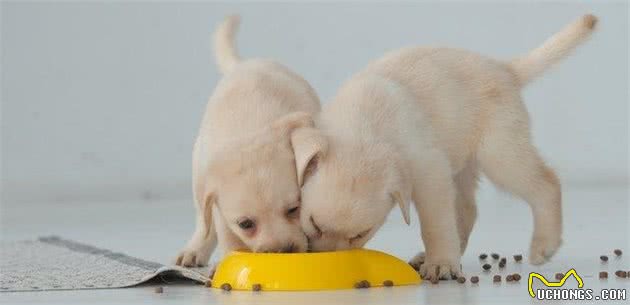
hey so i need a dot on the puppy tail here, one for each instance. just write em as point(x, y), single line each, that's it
point(224, 44)
point(557, 47)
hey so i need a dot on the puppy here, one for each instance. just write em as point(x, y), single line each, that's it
point(419, 125)
point(244, 174)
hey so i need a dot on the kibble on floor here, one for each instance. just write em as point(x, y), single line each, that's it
point(496, 278)
point(509, 278)
point(518, 257)
point(603, 258)
point(486, 267)
point(362, 284)
point(495, 256)
point(474, 279)
point(208, 283)
point(483, 256)
point(622, 274)
point(559, 276)
point(516, 277)
point(603, 275)
point(618, 252)
point(256, 287)
point(461, 280)
point(226, 287)
point(388, 283)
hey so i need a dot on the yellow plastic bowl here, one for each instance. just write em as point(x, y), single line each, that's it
point(312, 271)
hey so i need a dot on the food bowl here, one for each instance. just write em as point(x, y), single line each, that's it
point(312, 271)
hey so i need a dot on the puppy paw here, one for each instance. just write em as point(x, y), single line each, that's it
point(417, 261)
point(543, 248)
point(441, 269)
point(191, 257)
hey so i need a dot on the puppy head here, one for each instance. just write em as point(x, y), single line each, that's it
point(255, 187)
point(348, 194)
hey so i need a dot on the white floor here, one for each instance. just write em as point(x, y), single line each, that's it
point(596, 222)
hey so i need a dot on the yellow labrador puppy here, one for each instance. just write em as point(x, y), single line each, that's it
point(419, 125)
point(244, 174)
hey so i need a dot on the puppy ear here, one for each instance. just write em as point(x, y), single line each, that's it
point(206, 209)
point(286, 124)
point(205, 199)
point(309, 146)
point(403, 204)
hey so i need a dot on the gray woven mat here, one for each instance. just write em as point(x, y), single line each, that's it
point(52, 263)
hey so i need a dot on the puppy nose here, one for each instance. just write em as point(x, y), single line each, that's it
point(290, 248)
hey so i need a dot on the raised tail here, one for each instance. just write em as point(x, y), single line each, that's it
point(558, 46)
point(225, 45)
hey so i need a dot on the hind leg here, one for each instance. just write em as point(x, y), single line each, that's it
point(511, 162)
point(466, 184)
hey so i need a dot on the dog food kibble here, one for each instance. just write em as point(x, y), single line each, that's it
point(501, 263)
point(495, 256)
point(618, 252)
point(603, 275)
point(256, 287)
point(509, 278)
point(559, 276)
point(622, 274)
point(516, 277)
point(486, 266)
point(604, 258)
point(461, 280)
point(158, 290)
point(496, 278)
point(208, 283)
point(362, 284)
point(474, 279)
point(226, 287)
point(388, 283)
point(483, 256)
point(518, 257)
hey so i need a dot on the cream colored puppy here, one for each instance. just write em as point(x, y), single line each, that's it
point(419, 125)
point(244, 175)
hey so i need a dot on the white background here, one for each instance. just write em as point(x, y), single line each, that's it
point(102, 101)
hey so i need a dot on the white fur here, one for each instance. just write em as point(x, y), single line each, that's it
point(419, 125)
point(243, 160)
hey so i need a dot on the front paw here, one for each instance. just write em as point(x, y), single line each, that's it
point(544, 247)
point(417, 261)
point(192, 257)
point(440, 268)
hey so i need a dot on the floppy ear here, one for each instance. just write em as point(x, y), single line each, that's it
point(285, 125)
point(206, 209)
point(205, 198)
point(403, 204)
point(309, 146)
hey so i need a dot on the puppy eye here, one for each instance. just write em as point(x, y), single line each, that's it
point(246, 224)
point(359, 236)
point(293, 212)
point(317, 229)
